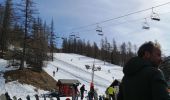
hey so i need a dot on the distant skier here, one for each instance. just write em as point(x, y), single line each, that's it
point(14, 98)
point(36, 97)
point(57, 69)
point(100, 97)
point(53, 73)
point(28, 97)
point(19, 99)
point(7, 96)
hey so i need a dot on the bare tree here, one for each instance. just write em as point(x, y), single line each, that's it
point(37, 47)
point(123, 53)
point(52, 38)
point(6, 19)
point(27, 12)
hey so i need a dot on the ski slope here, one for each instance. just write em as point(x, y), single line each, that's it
point(71, 66)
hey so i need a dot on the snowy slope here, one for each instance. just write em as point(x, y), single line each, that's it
point(71, 66)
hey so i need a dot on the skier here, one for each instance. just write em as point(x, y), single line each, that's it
point(28, 97)
point(53, 73)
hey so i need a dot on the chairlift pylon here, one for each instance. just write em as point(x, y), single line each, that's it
point(145, 25)
point(155, 16)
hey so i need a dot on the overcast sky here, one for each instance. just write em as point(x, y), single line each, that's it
point(70, 15)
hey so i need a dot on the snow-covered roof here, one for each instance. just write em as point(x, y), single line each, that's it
point(68, 81)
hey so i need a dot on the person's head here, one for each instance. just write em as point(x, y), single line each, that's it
point(67, 98)
point(150, 51)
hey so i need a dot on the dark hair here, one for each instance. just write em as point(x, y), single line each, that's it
point(147, 46)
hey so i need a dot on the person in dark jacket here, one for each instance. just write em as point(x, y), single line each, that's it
point(82, 89)
point(142, 78)
point(75, 91)
point(19, 99)
point(36, 97)
point(7, 96)
point(28, 97)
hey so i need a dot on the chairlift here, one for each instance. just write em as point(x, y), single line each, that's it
point(72, 35)
point(145, 25)
point(99, 68)
point(101, 34)
point(99, 30)
point(77, 37)
point(155, 16)
point(87, 66)
point(57, 36)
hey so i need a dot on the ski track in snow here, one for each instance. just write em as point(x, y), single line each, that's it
point(81, 78)
point(80, 70)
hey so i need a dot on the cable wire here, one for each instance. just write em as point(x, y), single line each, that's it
point(120, 16)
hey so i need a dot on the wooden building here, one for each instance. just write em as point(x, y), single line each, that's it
point(66, 86)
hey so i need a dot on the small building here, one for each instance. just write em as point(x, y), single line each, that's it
point(66, 86)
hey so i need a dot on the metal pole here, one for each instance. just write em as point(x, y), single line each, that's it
point(92, 73)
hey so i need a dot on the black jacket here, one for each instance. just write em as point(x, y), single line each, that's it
point(142, 81)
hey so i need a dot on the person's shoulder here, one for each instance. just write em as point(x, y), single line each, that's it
point(154, 72)
point(151, 69)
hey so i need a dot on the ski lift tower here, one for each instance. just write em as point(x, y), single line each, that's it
point(93, 68)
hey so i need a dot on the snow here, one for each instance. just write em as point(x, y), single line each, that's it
point(71, 66)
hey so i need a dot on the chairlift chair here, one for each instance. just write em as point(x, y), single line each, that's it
point(72, 35)
point(145, 25)
point(77, 37)
point(101, 34)
point(155, 16)
point(57, 36)
point(98, 29)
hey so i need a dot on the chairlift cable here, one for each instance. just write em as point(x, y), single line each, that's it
point(135, 20)
point(120, 16)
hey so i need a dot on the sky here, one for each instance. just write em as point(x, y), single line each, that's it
point(67, 69)
point(80, 17)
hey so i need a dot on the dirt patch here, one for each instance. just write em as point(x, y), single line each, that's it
point(39, 80)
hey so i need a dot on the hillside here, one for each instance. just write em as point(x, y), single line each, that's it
point(39, 80)
point(71, 66)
